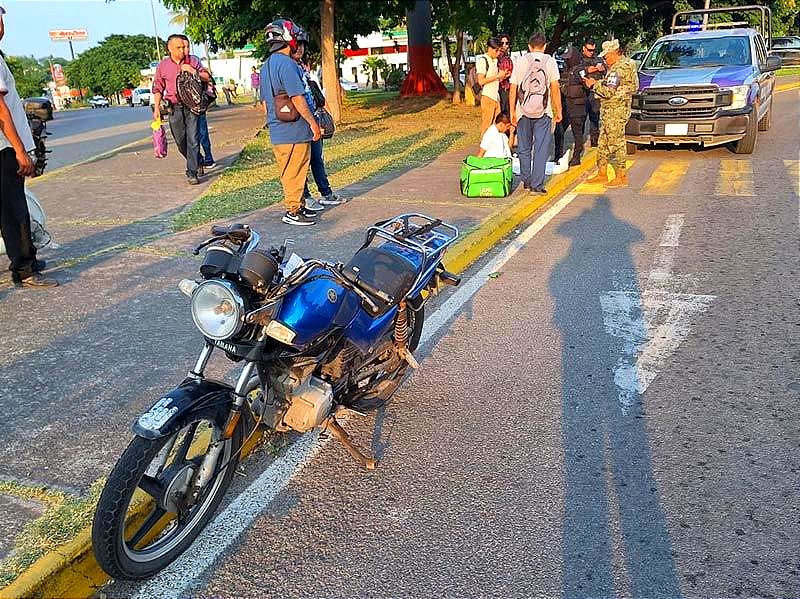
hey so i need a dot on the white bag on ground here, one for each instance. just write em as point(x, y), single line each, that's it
point(39, 235)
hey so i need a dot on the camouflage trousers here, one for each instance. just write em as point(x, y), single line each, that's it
point(611, 144)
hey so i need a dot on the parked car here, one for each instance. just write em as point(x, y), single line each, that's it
point(348, 86)
point(41, 108)
point(705, 87)
point(140, 96)
point(638, 57)
point(788, 48)
point(98, 102)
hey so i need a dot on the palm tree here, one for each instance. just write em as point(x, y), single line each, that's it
point(373, 64)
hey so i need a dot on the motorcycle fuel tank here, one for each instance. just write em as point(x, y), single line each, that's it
point(315, 307)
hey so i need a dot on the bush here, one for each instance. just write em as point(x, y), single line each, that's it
point(395, 79)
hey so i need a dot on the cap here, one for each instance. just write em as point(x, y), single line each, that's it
point(610, 46)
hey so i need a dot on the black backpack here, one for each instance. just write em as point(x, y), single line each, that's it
point(189, 89)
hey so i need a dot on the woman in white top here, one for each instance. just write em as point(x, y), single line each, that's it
point(494, 143)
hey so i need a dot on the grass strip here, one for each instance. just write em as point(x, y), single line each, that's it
point(380, 133)
point(62, 519)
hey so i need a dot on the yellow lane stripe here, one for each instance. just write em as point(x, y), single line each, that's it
point(793, 168)
point(735, 178)
point(666, 178)
point(596, 188)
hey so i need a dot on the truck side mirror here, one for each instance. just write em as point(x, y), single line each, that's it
point(773, 63)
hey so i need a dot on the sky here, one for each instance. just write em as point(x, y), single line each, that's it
point(28, 21)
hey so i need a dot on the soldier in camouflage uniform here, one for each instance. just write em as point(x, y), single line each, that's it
point(615, 92)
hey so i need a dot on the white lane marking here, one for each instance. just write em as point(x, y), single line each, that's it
point(225, 529)
point(653, 324)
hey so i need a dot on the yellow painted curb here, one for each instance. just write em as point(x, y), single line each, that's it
point(71, 571)
point(787, 86)
point(492, 230)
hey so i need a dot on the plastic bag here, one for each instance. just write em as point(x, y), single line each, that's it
point(159, 139)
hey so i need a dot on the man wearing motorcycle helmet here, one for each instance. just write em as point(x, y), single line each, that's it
point(291, 132)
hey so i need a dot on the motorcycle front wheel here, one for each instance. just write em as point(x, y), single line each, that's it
point(146, 516)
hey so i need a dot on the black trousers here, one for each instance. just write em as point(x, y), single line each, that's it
point(15, 221)
point(593, 112)
point(183, 124)
point(574, 117)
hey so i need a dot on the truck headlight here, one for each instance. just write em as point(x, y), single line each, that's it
point(217, 309)
point(740, 93)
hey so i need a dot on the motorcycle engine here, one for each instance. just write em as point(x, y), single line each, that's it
point(309, 399)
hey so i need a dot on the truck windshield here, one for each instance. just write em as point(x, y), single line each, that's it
point(699, 52)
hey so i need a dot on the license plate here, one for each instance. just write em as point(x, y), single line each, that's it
point(676, 129)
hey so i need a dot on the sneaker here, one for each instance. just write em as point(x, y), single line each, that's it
point(209, 165)
point(39, 265)
point(36, 281)
point(333, 200)
point(298, 219)
point(193, 180)
point(312, 205)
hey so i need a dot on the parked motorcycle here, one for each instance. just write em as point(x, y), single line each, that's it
point(316, 339)
point(39, 233)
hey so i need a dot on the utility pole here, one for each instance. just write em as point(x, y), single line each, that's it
point(705, 15)
point(155, 30)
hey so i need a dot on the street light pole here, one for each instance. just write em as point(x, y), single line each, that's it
point(155, 29)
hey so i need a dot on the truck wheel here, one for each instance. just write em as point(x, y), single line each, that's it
point(630, 148)
point(747, 144)
point(765, 123)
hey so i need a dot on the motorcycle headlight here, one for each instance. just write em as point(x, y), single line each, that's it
point(740, 93)
point(217, 309)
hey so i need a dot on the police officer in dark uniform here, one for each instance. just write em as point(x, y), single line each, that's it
point(574, 96)
point(595, 69)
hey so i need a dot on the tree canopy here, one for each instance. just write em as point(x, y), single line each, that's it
point(31, 75)
point(113, 64)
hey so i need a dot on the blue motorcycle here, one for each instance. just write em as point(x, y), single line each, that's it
point(315, 338)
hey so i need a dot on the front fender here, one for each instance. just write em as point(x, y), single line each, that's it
point(167, 415)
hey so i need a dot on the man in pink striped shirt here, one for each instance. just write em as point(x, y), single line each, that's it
point(182, 121)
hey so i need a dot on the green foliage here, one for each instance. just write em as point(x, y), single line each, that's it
point(394, 80)
point(372, 66)
point(30, 75)
point(234, 23)
point(113, 64)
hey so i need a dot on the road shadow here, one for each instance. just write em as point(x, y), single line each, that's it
point(615, 537)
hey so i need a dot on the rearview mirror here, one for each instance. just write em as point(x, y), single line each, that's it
point(773, 63)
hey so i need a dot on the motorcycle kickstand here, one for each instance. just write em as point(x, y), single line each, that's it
point(332, 425)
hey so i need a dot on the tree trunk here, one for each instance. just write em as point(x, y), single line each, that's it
point(455, 67)
point(422, 79)
point(329, 76)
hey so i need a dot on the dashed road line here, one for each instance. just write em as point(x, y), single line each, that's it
point(735, 178)
point(793, 168)
point(666, 179)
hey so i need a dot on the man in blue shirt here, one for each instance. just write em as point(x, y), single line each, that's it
point(290, 138)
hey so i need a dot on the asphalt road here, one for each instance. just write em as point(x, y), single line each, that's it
point(76, 135)
point(614, 413)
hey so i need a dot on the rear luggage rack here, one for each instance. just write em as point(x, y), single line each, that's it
point(417, 232)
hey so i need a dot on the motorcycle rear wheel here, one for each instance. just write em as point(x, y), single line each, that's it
point(131, 545)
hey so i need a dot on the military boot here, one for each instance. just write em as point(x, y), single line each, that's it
point(602, 174)
point(620, 179)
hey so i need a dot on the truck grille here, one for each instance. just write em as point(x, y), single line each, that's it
point(702, 102)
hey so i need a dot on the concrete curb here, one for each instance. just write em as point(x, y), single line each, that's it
point(492, 230)
point(72, 571)
point(787, 86)
point(100, 156)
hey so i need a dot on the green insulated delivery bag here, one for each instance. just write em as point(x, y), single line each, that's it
point(486, 177)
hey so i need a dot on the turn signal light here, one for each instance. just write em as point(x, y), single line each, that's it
point(279, 331)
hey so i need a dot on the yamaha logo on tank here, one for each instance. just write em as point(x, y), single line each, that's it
point(678, 101)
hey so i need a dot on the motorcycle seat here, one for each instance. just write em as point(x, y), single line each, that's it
point(383, 269)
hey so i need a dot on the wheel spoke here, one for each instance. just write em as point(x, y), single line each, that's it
point(156, 515)
point(152, 486)
point(186, 442)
